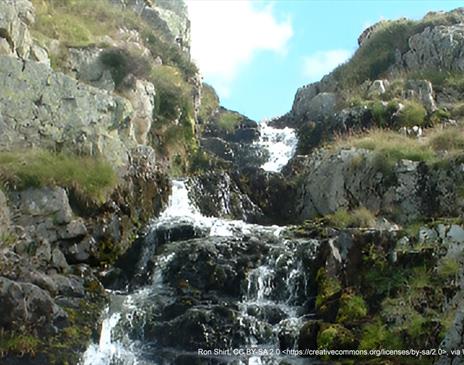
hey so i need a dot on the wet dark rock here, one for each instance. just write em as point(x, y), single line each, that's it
point(250, 194)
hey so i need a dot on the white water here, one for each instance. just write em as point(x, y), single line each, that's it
point(111, 350)
point(180, 209)
point(281, 144)
point(116, 349)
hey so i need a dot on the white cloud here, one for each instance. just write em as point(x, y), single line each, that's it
point(227, 34)
point(322, 62)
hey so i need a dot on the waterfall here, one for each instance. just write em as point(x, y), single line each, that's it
point(264, 309)
point(280, 143)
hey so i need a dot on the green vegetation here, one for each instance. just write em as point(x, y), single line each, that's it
point(328, 287)
point(174, 134)
point(376, 335)
point(209, 103)
point(448, 139)
point(90, 176)
point(7, 239)
point(359, 217)
point(449, 268)
point(335, 337)
point(82, 23)
point(122, 63)
point(352, 307)
point(377, 54)
point(412, 114)
point(18, 344)
point(228, 120)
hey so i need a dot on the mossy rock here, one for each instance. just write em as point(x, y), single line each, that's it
point(308, 335)
point(328, 295)
point(336, 337)
point(352, 308)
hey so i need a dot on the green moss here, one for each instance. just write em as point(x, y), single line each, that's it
point(376, 335)
point(327, 286)
point(18, 344)
point(352, 308)
point(335, 337)
point(90, 176)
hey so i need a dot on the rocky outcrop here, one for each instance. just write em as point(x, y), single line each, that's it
point(436, 48)
point(15, 39)
point(41, 108)
point(233, 140)
point(354, 177)
point(167, 15)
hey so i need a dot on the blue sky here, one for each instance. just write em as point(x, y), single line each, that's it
point(257, 53)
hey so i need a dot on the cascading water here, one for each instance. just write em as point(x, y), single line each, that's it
point(205, 283)
point(280, 143)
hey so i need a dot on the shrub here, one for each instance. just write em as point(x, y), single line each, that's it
point(173, 94)
point(359, 217)
point(35, 168)
point(448, 268)
point(383, 113)
point(122, 63)
point(412, 114)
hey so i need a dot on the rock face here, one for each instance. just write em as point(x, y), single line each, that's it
point(233, 141)
point(437, 48)
point(250, 194)
point(218, 195)
point(27, 304)
point(15, 39)
point(40, 108)
point(352, 178)
point(172, 16)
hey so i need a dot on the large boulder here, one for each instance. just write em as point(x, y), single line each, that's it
point(319, 108)
point(25, 303)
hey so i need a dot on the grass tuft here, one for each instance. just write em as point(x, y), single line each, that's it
point(90, 176)
point(359, 217)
